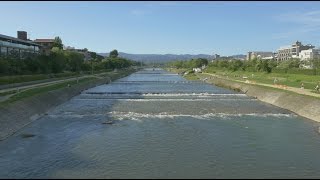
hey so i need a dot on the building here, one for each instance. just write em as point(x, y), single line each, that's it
point(19, 47)
point(22, 35)
point(260, 55)
point(293, 51)
point(197, 70)
point(216, 56)
point(46, 45)
point(309, 54)
point(306, 55)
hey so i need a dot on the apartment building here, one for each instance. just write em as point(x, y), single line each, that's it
point(293, 51)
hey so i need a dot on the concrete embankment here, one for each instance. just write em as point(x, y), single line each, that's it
point(19, 114)
point(305, 106)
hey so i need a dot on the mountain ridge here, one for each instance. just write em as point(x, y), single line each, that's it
point(162, 58)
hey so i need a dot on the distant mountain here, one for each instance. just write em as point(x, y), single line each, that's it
point(239, 56)
point(160, 58)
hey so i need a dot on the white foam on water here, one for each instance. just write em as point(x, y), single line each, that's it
point(164, 115)
point(190, 94)
point(68, 115)
point(200, 100)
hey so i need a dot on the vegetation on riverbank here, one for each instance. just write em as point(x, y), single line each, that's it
point(286, 73)
point(43, 89)
point(292, 80)
point(58, 64)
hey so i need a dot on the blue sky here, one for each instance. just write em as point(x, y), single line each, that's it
point(225, 28)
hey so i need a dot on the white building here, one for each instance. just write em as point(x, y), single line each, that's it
point(309, 54)
point(293, 51)
point(196, 70)
point(306, 55)
point(260, 55)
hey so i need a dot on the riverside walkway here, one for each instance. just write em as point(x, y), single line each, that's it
point(307, 92)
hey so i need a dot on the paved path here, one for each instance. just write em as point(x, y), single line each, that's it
point(288, 88)
point(48, 83)
point(27, 87)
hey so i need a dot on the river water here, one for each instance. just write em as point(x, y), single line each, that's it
point(163, 127)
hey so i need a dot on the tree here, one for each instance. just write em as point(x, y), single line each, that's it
point(113, 54)
point(74, 61)
point(235, 65)
point(93, 55)
point(58, 42)
point(4, 66)
point(57, 62)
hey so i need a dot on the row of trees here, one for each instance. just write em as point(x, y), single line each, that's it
point(61, 61)
point(263, 65)
point(193, 63)
point(251, 65)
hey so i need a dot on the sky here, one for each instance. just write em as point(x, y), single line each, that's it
point(172, 27)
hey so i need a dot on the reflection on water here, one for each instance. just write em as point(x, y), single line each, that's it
point(164, 127)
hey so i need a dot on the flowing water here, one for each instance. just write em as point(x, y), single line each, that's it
point(163, 127)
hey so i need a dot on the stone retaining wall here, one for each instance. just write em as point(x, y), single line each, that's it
point(19, 114)
point(302, 105)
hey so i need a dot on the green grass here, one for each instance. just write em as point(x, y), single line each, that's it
point(8, 92)
point(44, 89)
point(191, 76)
point(265, 87)
point(40, 90)
point(292, 80)
point(26, 78)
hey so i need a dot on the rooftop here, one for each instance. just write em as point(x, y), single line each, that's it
point(44, 40)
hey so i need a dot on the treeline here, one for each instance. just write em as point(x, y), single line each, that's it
point(251, 65)
point(60, 61)
point(254, 65)
point(193, 63)
point(259, 65)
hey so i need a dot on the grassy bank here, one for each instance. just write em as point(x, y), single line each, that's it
point(40, 90)
point(44, 89)
point(292, 80)
point(191, 76)
point(35, 77)
point(26, 78)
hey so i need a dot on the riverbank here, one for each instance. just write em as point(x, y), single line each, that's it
point(303, 105)
point(16, 115)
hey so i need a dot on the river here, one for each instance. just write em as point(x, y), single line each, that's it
point(163, 126)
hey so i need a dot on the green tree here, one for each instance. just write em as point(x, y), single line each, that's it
point(4, 66)
point(93, 55)
point(235, 65)
point(74, 61)
point(58, 42)
point(113, 54)
point(57, 61)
